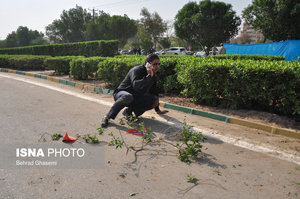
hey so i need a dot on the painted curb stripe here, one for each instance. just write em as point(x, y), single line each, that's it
point(103, 91)
point(20, 72)
point(285, 132)
point(89, 88)
point(37, 75)
point(196, 112)
point(98, 90)
point(270, 129)
point(209, 115)
point(250, 124)
point(53, 79)
point(70, 83)
point(178, 108)
point(79, 85)
point(29, 74)
point(62, 81)
point(11, 71)
point(43, 77)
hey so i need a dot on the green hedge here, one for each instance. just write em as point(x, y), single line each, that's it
point(167, 76)
point(92, 48)
point(252, 57)
point(23, 62)
point(266, 85)
point(83, 68)
point(114, 70)
point(60, 64)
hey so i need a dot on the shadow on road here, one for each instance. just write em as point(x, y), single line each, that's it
point(171, 135)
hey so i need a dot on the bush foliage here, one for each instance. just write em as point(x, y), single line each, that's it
point(91, 48)
point(83, 68)
point(114, 70)
point(23, 62)
point(266, 85)
point(60, 64)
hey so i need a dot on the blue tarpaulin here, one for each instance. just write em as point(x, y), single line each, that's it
point(289, 49)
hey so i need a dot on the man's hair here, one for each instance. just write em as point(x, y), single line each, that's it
point(221, 44)
point(151, 57)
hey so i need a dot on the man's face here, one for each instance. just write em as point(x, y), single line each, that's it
point(155, 63)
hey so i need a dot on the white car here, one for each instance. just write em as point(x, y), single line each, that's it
point(160, 52)
point(176, 51)
point(124, 52)
point(200, 54)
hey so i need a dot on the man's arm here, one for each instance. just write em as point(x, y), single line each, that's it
point(140, 81)
point(158, 111)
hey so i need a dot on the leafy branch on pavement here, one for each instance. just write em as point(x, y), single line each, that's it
point(192, 179)
point(189, 145)
point(54, 137)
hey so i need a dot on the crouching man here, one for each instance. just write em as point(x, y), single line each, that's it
point(138, 92)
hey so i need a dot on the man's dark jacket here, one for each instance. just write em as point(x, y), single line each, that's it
point(138, 82)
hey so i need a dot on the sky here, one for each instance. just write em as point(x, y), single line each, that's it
point(37, 14)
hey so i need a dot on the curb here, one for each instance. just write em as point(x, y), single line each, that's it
point(222, 118)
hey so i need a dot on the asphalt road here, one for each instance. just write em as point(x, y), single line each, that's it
point(33, 108)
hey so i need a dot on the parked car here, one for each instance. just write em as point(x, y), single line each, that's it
point(217, 51)
point(189, 52)
point(200, 54)
point(124, 52)
point(160, 52)
point(176, 51)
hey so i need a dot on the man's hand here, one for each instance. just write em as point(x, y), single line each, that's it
point(162, 111)
point(150, 69)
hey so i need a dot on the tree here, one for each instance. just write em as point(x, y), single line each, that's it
point(206, 24)
point(2, 43)
point(24, 37)
point(165, 42)
point(71, 27)
point(11, 40)
point(277, 19)
point(54, 31)
point(144, 38)
point(98, 29)
point(116, 27)
point(153, 24)
point(122, 28)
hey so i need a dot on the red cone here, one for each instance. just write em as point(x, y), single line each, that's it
point(68, 138)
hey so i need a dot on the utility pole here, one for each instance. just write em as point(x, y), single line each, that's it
point(93, 13)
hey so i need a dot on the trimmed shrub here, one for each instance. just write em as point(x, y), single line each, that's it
point(60, 64)
point(23, 62)
point(82, 68)
point(265, 85)
point(114, 70)
point(91, 48)
point(166, 75)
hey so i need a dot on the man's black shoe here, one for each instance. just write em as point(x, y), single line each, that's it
point(126, 113)
point(129, 116)
point(104, 122)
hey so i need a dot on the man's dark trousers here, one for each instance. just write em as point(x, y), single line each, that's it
point(138, 104)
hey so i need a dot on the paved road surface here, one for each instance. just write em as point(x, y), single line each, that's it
point(28, 110)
